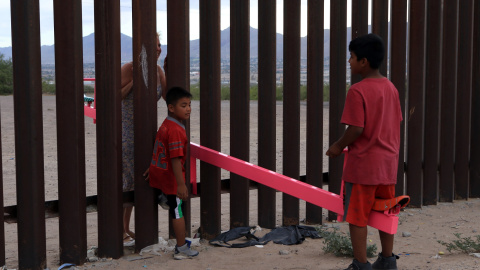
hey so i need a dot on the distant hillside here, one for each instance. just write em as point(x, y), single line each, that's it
point(48, 52)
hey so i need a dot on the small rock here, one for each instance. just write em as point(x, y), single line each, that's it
point(92, 259)
point(406, 234)
point(283, 252)
point(477, 255)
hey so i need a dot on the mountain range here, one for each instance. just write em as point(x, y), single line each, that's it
point(48, 51)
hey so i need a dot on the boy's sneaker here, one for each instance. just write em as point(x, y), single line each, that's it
point(162, 201)
point(389, 263)
point(356, 265)
point(184, 252)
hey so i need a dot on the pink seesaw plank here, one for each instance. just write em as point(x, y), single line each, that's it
point(309, 193)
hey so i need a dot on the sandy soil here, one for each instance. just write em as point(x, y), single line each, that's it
point(420, 250)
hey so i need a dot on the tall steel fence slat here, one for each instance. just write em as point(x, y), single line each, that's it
point(210, 205)
point(448, 97)
point(475, 121)
point(179, 66)
point(359, 27)
point(70, 131)
point(338, 60)
point(145, 120)
point(398, 69)
point(109, 128)
point(416, 91)
point(239, 108)
point(267, 108)
point(291, 106)
point(380, 27)
point(433, 70)
point(30, 180)
point(2, 219)
point(464, 88)
point(315, 90)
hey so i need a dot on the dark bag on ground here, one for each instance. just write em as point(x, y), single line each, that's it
point(290, 235)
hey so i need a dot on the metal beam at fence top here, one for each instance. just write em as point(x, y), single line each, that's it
point(432, 102)
point(295, 188)
point(291, 106)
point(70, 131)
point(398, 67)
point(210, 202)
point(267, 108)
point(29, 152)
point(315, 91)
point(239, 108)
point(109, 128)
point(464, 88)
point(448, 97)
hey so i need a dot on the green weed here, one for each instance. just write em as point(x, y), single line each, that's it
point(341, 245)
point(465, 244)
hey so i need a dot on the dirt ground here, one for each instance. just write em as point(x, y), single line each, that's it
point(416, 240)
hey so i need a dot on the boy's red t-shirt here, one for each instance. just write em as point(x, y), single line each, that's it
point(170, 142)
point(373, 104)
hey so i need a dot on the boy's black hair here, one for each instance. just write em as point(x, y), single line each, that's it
point(175, 93)
point(368, 46)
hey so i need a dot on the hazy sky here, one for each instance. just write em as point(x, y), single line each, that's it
point(47, 32)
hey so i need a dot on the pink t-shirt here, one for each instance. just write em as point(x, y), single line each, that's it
point(373, 157)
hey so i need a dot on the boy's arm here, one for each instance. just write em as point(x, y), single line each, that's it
point(350, 135)
point(182, 191)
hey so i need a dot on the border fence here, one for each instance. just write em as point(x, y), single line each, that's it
point(434, 51)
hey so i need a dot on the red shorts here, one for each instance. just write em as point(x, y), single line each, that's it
point(359, 200)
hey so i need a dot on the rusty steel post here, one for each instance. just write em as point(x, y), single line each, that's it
point(239, 108)
point(464, 94)
point(398, 66)
point(210, 204)
point(380, 27)
point(109, 128)
point(448, 95)
point(338, 65)
point(145, 118)
point(179, 65)
point(415, 112)
point(432, 102)
point(267, 108)
point(27, 83)
point(291, 106)
point(475, 124)
point(70, 131)
point(315, 104)
point(359, 27)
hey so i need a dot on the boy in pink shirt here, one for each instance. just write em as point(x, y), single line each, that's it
point(373, 115)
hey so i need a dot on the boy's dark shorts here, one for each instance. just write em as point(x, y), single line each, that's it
point(359, 200)
point(177, 207)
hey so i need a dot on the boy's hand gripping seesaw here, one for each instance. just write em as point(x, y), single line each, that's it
point(387, 222)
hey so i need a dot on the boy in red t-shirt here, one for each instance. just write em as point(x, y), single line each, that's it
point(373, 115)
point(167, 171)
